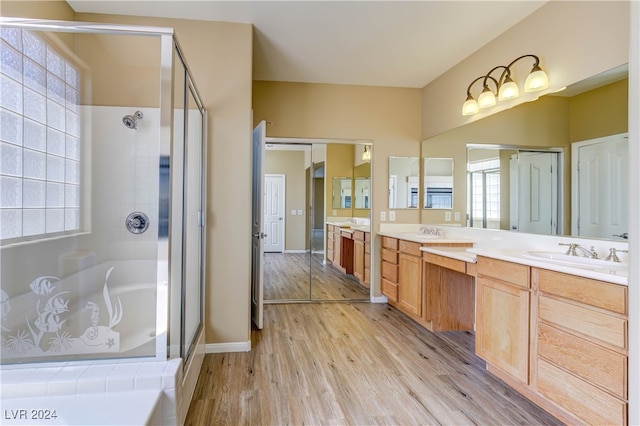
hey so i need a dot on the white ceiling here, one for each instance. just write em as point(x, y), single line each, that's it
point(372, 43)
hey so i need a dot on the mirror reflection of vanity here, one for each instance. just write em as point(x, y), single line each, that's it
point(553, 125)
point(404, 182)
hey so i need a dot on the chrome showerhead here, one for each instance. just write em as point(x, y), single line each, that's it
point(131, 121)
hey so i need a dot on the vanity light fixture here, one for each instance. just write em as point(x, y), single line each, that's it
point(366, 154)
point(506, 88)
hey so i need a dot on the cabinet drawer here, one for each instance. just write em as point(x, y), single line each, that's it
point(389, 256)
point(330, 229)
point(587, 402)
point(346, 234)
point(604, 295)
point(390, 243)
point(472, 269)
point(594, 363)
point(510, 272)
point(446, 262)
point(358, 235)
point(590, 323)
point(389, 271)
point(410, 247)
point(367, 247)
point(390, 290)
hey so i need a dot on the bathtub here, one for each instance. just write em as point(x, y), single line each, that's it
point(103, 311)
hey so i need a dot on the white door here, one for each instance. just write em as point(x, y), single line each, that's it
point(537, 194)
point(274, 204)
point(257, 245)
point(600, 190)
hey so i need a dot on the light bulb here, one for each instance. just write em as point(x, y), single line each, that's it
point(486, 98)
point(537, 80)
point(508, 90)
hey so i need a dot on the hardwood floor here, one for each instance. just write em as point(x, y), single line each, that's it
point(287, 275)
point(354, 364)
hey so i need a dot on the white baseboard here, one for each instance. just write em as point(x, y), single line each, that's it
point(296, 251)
point(379, 299)
point(219, 348)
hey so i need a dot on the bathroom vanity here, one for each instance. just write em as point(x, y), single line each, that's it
point(553, 328)
point(349, 249)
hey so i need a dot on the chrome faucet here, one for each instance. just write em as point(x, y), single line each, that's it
point(613, 254)
point(573, 247)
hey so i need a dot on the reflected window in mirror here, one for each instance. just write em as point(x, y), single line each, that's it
point(342, 193)
point(404, 184)
point(483, 186)
point(362, 193)
point(438, 183)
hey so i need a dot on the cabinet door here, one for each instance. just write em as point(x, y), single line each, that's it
point(358, 259)
point(410, 283)
point(502, 327)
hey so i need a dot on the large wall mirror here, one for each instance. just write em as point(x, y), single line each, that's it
point(306, 183)
point(500, 159)
point(404, 182)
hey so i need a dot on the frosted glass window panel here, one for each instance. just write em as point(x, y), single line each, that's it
point(34, 193)
point(35, 76)
point(54, 220)
point(34, 47)
point(73, 123)
point(73, 148)
point(72, 195)
point(71, 76)
point(35, 164)
point(55, 63)
point(55, 168)
point(55, 195)
point(72, 171)
point(10, 160)
point(56, 89)
point(10, 127)
point(35, 106)
point(55, 115)
point(13, 36)
point(10, 223)
point(35, 135)
point(10, 192)
point(11, 90)
point(55, 142)
point(11, 62)
point(73, 99)
point(33, 222)
point(71, 219)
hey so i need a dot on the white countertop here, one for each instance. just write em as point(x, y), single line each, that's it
point(350, 226)
point(616, 274)
point(459, 253)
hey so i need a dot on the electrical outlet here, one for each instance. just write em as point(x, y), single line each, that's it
point(293, 212)
point(392, 216)
point(383, 216)
point(447, 216)
point(456, 216)
point(300, 212)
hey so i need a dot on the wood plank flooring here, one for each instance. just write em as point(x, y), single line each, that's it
point(287, 277)
point(354, 364)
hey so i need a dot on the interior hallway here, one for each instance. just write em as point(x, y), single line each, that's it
point(356, 364)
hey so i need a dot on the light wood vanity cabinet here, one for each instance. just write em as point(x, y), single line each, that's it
point(330, 243)
point(503, 315)
point(361, 257)
point(581, 346)
point(389, 268)
point(410, 277)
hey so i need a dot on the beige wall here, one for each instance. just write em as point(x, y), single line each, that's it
point(339, 164)
point(220, 58)
point(600, 112)
point(291, 164)
point(574, 40)
point(388, 117)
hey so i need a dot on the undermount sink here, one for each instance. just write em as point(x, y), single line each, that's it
point(565, 259)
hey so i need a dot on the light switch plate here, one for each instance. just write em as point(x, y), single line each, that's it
point(447, 216)
point(293, 212)
point(456, 216)
point(392, 216)
point(300, 212)
point(383, 216)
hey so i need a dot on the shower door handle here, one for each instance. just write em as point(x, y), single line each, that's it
point(260, 235)
point(137, 222)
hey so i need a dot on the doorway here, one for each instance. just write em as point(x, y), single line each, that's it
point(274, 215)
point(298, 272)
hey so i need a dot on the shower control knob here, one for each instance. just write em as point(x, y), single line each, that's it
point(137, 222)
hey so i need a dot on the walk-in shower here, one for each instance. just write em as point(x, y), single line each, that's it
point(101, 227)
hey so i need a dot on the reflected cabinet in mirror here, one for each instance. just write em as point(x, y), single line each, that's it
point(404, 183)
point(553, 166)
point(438, 183)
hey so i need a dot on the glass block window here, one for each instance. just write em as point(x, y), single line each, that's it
point(39, 138)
